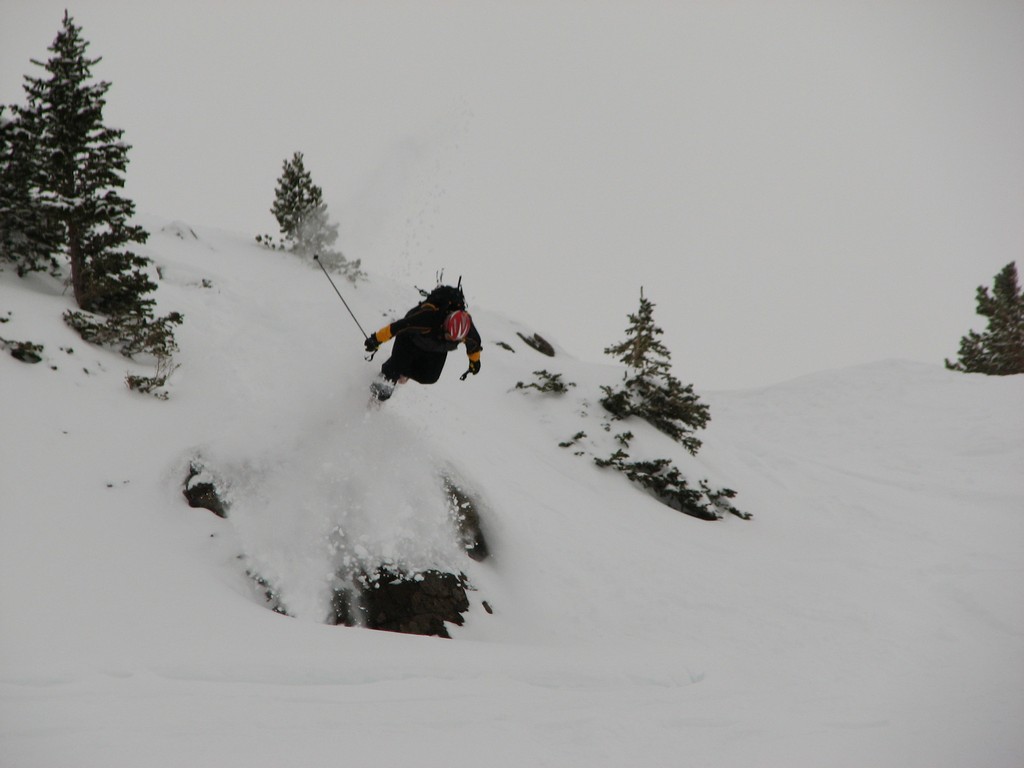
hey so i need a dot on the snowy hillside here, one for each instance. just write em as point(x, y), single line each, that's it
point(871, 612)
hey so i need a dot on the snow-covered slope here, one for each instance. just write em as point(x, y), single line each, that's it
point(871, 613)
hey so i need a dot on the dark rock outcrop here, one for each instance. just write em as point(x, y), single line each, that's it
point(201, 492)
point(418, 604)
point(25, 351)
point(413, 603)
point(538, 343)
point(465, 511)
point(268, 593)
point(387, 596)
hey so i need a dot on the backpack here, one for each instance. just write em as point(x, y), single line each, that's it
point(445, 297)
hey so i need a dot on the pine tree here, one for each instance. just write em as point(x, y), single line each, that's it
point(27, 238)
point(77, 168)
point(301, 214)
point(649, 389)
point(82, 163)
point(999, 351)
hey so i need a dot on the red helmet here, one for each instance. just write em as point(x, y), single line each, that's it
point(456, 325)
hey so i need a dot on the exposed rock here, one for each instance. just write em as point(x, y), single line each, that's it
point(419, 604)
point(538, 343)
point(201, 491)
point(269, 594)
point(387, 596)
point(25, 351)
point(344, 609)
point(465, 511)
point(389, 600)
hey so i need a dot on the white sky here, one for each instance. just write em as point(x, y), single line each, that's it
point(797, 185)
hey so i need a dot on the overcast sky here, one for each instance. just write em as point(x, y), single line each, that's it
point(797, 185)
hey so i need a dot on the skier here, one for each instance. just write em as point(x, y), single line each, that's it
point(423, 339)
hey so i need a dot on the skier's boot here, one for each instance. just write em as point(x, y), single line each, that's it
point(381, 389)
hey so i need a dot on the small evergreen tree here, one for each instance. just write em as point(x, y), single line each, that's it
point(666, 482)
point(548, 382)
point(650, 392)
point(999, 351)
point(649, 389)
point(72, 174)
point(301, 214)
point(300, 210)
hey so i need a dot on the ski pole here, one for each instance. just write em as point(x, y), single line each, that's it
point(316, 258)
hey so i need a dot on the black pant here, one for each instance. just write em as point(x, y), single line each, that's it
point(409, 360)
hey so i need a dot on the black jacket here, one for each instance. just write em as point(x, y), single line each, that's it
point(423, 325)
